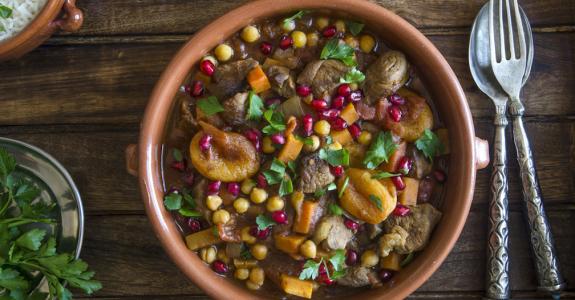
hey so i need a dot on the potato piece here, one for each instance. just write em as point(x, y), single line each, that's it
point(341, 136)
point(356, 197)
point(409, 195)
point(289, 243)
point(231, 157)
point(304, 218)
point(349, 114)
point(391, 164)
point(293, 286)
point(418, 118)
point(392, 261)
point(202, 239)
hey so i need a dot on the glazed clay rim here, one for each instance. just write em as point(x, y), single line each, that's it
point(452, 106)
point(48, 13)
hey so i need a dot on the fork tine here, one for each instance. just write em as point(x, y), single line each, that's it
point(501, 32)
point(520, 32)
point(510, 30)
point(492, 34)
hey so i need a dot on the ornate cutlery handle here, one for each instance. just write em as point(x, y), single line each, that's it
point(497, 283)
point(548, 274)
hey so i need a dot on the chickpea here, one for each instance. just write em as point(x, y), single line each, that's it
point(315, 142)
point(250, 34)
point(224, 52)
point(353, 86)
point(257, 276)
point(321, 22)
point(287, 25)
point(221, 216)
point(364, 138)
point(299, 39)
point(252, 286)
point(322, 127)
point(335, 146)
point(275, 203)
point(258, 195)
point(369, 259)
point(366, 43)
point(308, 99)
point(312, 39)
point(241, 205)
point(210, 58)
point(259, 251)
point(351, 41)
point(208, 254)
point(308, 249)
point(213, 202)
point(247, 186)
point(242, 273)
point(246, 236)
point(268, 145)
point(340, 25)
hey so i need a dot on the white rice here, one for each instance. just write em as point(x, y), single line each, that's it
point(23, 12)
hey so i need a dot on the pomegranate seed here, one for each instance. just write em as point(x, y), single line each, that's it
point(279, 217)
point(354, 130)
point(385, 275)
point(173, 190)
point(350, 257)
point(303, 90)
point(307, 121)
point(262, 181)
point(337, 171)
point(355, 96)
point(188, 178)
point(319, 104)
point(329, 114)
point(344, 90)
point(404, 165)
point(329, 31)
point(395, 113)
point(273, 101)
point(266, 48)
point(219, 267)
point(234, 188)
point(260, 234)
point(326, 280)
point(214, 187)
point(322, 270)
point(278, 139)
point(196, 89)
point(254, 136)
point(338, 102)
point(439, 176)
point(338, 124)
point(180, 166)
point(351, 225)
point(205, 143)
point(194, 225)
point(401, 210)
point(396, 99)
point(286, 42)
point(207, 67)
point(398, 182)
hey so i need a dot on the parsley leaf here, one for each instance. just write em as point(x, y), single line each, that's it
point(338, 260)
point(310, 269)
point(255, 107)
point(177, 154)
point(173, 201)
point(292, 166)
point(376, 200)
point(186, 212)
point(12, 280)
point(5, 11)
point(264, 222)
point(286, 186)
point(296, 16)
point(333, 49)
point(355, 27)
point(275, 120)
point(210, 105)
point(380, 150)
point(429, 144)
point(353, 76)
point(7, 164)
point(335, 157)
point(335, 209)
point(343, 186)
point(276, 172)
point(320, 192)
point(382, 175)
point(32, 239)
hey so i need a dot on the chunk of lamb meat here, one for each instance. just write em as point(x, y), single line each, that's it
point(314, 174)
point(235, 109)
point(279, 264)
point(359, 276)
point(282, 80)
point(392, 240)
point(419, 224)
point(287, 57)
point(386, 75)
point(230, 78)
point(332, 233)
point(323, 76)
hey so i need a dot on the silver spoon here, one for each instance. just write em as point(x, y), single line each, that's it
point(497, 281)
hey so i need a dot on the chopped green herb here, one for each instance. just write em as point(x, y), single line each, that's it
point(343, 186)
point(296, 16)
point(5, 11)
point(408, 259)
point(376, 200)
point(177, 154)
point(310, 269)
point(276, 172)
point(353, 76)
point(292, 166)
point(188, 200)
point(305, 140)
point(383, 175)
point(335, 157)
point(255, 107)
point(245, 254)
point(355, 27)
point(337, 261)
point(286, 186)
point(173, 201)
point(335, 209)
point(380, 150)
point(429, 144)
point(264, 222)
point(328, 140)
point(210, 105)
point(2, 28)
point(186, 212)
point(333, 49)
point(275, 120)
point(320, 192)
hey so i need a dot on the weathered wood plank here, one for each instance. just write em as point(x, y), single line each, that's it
point(181, 16)
point(130, 262)
point(111, 83)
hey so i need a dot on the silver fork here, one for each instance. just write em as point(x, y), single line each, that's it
point(509, 70)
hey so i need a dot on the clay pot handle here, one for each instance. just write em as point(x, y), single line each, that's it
point(481, 153)
point(132, 159)
point(72, 18)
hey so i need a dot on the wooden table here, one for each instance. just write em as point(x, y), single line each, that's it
point(81, 96)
